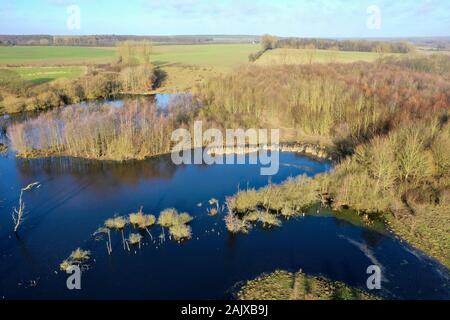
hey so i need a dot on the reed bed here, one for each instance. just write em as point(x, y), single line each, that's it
point(103, 133)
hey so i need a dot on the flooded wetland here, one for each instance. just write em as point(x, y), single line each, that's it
point(77, 196)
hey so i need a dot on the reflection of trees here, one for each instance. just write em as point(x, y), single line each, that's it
point(372, 239)
point(99, 173)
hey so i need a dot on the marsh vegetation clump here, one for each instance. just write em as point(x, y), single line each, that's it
point(269, 220)
point(180, 231)
point(135, 239)
point(235, 224)
point(171, 217)
point(184, 218)
point(283, 285)
point(177, 223)
point(65, 265)
point(102, 133)
point(252, 216)
point(168, 218)
point(141, 220)
point(3, 148)
point(267, 204)
point(214, 211)
point(244, 201)
point(77, 257)
point(288, 212)
point(299, 193)
point(118, 224)
point(80, 255)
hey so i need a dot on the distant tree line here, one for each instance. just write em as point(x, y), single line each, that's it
point(269, 42)
point(111, 40)
point(345, 45)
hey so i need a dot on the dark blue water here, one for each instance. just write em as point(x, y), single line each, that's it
point(77, 196)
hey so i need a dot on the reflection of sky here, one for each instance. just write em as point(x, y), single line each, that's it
point(319, 18)
point(163, 100)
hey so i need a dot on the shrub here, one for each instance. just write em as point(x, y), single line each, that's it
point(288, 212)
point(269, 220)
point(184, 218)
point(11, 104)
point(236, 225)
point(180, 231)
point(141, 220)
point(135, 239)
point(118, 223)
point(140, 79)
point(80, 255)
point(252, 216)
point(244, 201)
point(168, 218)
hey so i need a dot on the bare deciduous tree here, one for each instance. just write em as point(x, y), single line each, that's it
point(18, 213)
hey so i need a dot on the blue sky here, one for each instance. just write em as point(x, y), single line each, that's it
point(306, 18)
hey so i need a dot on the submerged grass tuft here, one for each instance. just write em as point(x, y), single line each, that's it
point(118, 223)
point(171, 217)
point(80, 255)
point(185, 218)
point(168, 218)
point(177, 224)
point(77, 257)
point(135, 238)
point(235, 224)
point(180, 232)
point(141, 220)
point(269, 220)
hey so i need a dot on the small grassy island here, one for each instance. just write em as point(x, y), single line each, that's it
point(283, 285)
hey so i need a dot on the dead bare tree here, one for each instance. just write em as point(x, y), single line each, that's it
point(18, 213)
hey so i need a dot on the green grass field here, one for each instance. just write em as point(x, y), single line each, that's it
point(184, 65)
point(221, 55)
point(217, 55)
point(305, 56)
point(39, 75)
point(54, 56)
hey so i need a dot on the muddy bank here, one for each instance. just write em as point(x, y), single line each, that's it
point(312, 150)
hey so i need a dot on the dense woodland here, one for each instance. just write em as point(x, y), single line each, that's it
point(344, 45)
point(348, 104)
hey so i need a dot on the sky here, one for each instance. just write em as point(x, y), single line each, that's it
point(302, 18)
